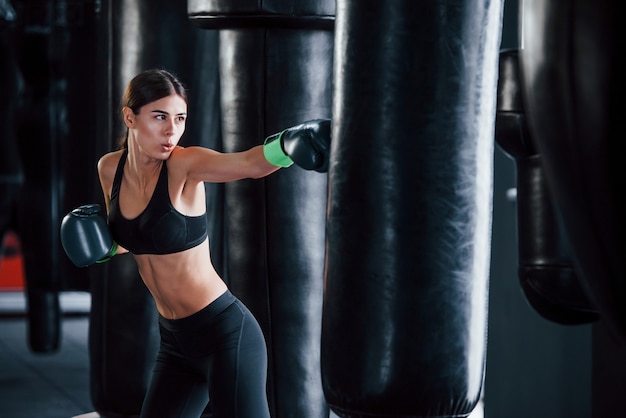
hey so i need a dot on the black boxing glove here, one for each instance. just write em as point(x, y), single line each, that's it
point(307, 145)
point(86, 237)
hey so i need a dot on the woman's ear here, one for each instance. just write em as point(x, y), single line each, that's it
point(129, 116)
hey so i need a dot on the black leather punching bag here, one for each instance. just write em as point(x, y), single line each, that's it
point(56, 148)
point(123, 332)
point(573, 81)
point(275, 67)
point(39, 191)
point(408, 244)
point(10, 166)
point(550, 281)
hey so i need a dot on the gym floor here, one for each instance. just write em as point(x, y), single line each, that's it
point(52, 385)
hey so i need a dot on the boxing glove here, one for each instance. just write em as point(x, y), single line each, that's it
point(86, 237)
point(307, 145)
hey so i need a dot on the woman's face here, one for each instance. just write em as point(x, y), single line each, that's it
point(159, 125)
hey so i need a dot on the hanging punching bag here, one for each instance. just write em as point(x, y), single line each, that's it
point(123, 332)
point(551, 283)
point(275, 72)
point(39, 192)
point(573, 79)
point(10, 166)
point(56, 56)
point(408, 232)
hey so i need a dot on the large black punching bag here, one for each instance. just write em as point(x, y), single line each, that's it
point(123, 332)
point(408, 230)
point(55, 50)
point(10, 165)
point(550, 280)
point(35, 130)
point(275, 71)
point(573, 81)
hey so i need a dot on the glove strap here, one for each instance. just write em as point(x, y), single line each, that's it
point(109, 255)
point(273, 151)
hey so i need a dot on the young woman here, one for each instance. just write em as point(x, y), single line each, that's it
point(155, 199)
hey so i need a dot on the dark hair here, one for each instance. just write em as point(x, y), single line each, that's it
point(147, 87)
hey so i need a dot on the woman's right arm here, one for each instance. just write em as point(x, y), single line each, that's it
point(107, 166)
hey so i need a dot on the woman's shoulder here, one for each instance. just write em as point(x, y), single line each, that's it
point(186, 156)
point(178, 160)
point(111, 157)
point(107, 164)
point(184, 161)
point(179, 157)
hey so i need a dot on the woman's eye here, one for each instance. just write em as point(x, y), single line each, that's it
point(160, 117)
point(181, 119)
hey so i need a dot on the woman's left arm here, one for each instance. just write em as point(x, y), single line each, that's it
point(207, 165)
point(307, 145)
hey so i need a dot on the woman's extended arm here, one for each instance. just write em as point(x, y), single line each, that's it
point(306, 145)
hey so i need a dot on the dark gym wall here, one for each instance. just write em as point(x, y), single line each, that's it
point(535, 368)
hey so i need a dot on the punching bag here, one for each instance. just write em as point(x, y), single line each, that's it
point(10, 166)
point(408, 230)
point(572, 71)
point(54, 49)
point(550, 281)
point(38, 195)
point(49, 40)
point(123, 332)
point(275, 72)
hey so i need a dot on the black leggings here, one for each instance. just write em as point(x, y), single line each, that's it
point(218, 352)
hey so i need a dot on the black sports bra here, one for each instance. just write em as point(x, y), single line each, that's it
point(160, 228)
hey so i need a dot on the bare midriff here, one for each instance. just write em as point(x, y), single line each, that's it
point(181, 283)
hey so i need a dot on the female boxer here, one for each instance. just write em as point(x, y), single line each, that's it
point(155, 199)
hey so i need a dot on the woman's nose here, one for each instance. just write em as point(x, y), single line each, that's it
point(170, 127)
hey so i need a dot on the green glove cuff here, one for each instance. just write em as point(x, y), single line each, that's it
point(273, 151)
point(109, 255)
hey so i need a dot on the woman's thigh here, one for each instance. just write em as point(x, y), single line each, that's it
point(238, 382)
point(175, 392)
